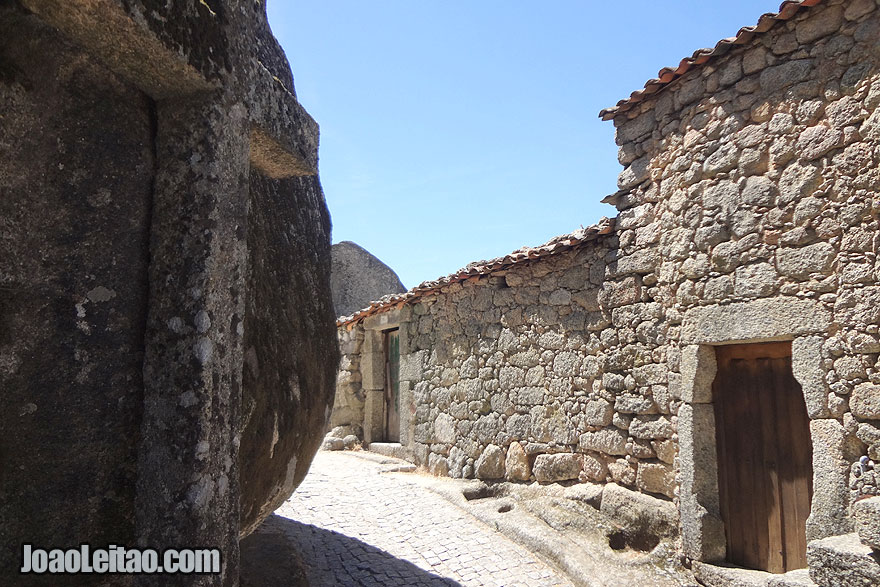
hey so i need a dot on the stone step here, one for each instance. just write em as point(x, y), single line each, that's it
point(843, 561)
point(389, 449)
point(719, 575)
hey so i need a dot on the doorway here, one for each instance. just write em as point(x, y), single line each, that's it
point(765, 471)
point(392, 385)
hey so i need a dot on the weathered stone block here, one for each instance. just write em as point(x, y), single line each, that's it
point(637, 172)
point(557, 467)
point(651, 427)
point(702, 529)
point(665, 450)
point(758, 280)
point(638, 512)
point(656, 478)
point(864, 402)
point(634, 404)
point(623, 471)
point(815, 141)
point(444, 429)
point(566, 364)
point(866, 515)
point(798, 181)
point(653, 374)
point(722, 160)
point(819, 25)
point(438, 465)
point(787, 73)
point(842, 561)
point(516, 464)
point(800, 263)
point(609, 441)
point(806, 364)
point(858, 8)
point(849, 367)
point(490, 464)
point(641, 261)
point(620, 293)
point(594, 469)
point(598, 412)
point(636, 127)
point(411, 366)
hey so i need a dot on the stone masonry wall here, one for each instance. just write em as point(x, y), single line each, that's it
point(348, 406)
point(521, 375)
point(755, 182)
point(748, 213)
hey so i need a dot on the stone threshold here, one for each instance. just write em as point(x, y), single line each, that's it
point(389, 449)
point(720, 575)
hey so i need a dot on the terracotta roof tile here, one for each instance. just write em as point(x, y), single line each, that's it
point(554, 246)
point(667, 75)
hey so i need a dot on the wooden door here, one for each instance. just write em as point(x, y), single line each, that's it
point(392, 386)
point(765, 470)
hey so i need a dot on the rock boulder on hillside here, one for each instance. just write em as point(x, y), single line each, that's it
point(358, 278)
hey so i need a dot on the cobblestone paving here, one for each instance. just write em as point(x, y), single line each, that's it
point(356, 526)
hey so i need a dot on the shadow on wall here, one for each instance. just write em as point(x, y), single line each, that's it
point(282, 552)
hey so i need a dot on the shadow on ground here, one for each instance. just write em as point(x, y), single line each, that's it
point(282, 552)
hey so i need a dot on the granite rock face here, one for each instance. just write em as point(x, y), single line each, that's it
point(358, 278)
point(155, 165)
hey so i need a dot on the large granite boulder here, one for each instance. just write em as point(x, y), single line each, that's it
point(358, 278)
point(167, 339)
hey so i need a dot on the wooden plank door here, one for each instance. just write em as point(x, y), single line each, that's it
point(765, 470)
point(392, 386)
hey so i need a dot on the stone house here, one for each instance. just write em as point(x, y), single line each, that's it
point(715, 345)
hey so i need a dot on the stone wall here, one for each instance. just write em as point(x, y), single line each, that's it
point(757, 178)
point(348, 405)
point(165, 244)
point(510, 369)
point(748, 212)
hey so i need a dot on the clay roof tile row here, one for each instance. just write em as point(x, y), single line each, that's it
point(667, 75)
point(554, 246)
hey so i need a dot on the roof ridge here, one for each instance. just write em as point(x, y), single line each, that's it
point(667, 75)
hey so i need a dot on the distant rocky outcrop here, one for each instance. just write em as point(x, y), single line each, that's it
point(358, 278)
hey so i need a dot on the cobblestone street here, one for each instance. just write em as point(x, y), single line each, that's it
point(354, 525)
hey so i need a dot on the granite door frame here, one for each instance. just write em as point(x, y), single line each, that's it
point(805, 324)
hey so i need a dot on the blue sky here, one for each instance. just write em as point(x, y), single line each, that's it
point(461, 130)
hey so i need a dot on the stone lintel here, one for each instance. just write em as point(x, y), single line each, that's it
point(761, 320)
point(383, 321)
